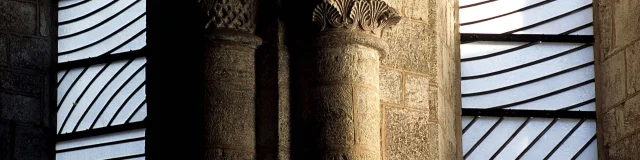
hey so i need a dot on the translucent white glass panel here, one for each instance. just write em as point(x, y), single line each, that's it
point(532, 141)
point(573, 144)
point(113, 91)
point(517, 75)
point(550, 139)
point(550, 17)
point(590, 153)
point(499, 136)
point(101, 27)
point(123, 144)
point(475, 132)
point(524, 138)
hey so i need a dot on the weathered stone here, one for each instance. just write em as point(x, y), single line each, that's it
point(45, 17)
point(5, 139)
point(409, 135)
point(417, 9)
point(230, 118)
point(334, 114)
point(284, 112)
point(633, 68)
point(29, 53)
point(228, 154)
point(3, 50)
point(610, 124)
point(367, 118)
point(21, 108)
point(626, 22)
point(605, 27)
point(416, 91)
point(408, 46)
point(21, 82)
point(18, 17)
point(31, 143)
point(391, 86)
point(630, 113)
point(613, 74)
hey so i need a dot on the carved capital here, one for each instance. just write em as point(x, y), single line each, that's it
point(230, 14)
point(371, 16)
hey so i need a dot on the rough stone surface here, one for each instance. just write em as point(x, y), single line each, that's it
point(408, 46)
point(417, 9)
point(604, 26)
point(630, 114)
point(18, 17)
point(626, 22)
point(632, 70)
point(25, 57)
point(391, 86)
point(24, 83)
point(409, 135)
point(21, 108)
point(29, 53)
point(613, 72)
point(417, 92)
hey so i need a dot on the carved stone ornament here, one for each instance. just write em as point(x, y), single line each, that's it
point(231, 14)
point(365, 15)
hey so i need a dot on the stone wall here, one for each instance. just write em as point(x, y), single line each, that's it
point(27, 116)
point(419, 80)
point(618, 78)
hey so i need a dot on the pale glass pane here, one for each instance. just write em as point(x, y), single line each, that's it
point(562, 100)
point(588, 107)
point(105, 152)
point(479, 128)
point(110, 91)
point(137, 133)
point(69, 102)
point(482, 48)
point(550, 139)
point(81, 10)
point(516, 20)
point(110, 26)
point(140, 115)
point(499, 136)
point(591, 153)
point(468, 2)
point(65, 84)
point(466, 120)
point(579, 138)
point(492, 9)
point(563, 24)
point(102, 47)
point(524, 138)
point(586, 31)
point(120, 98)
point(130, 107)
point(135, 44)
point(91, 94)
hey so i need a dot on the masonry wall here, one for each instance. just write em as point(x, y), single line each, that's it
point(617, 34)
point(26, 115)
point(419, 80)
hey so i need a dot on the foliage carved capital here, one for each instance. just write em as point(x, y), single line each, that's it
point(230, 14)
point(371, 16)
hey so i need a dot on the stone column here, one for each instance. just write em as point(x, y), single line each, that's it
point(229, 77)
point(344, 102)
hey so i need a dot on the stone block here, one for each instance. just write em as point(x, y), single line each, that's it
point(31, 143)
point(613, 81)
point(3, 50)
point(45, 17)
point(409, 135)
point(29, 53)
point(5, 140)
point(408, 46)
point(417, 91)
point(417, 9)
point(633, 68)
point(626, 22)
point(368, 67)
point(19, 82)
point(391, 86)
point(333, 64)
point(230, 118)
point(284, 118)
point(630, 116)
point(21, 108)
point(610, 123)
point(334, 114)
point(605, 21)
point(397, 5)
point(213, 154)
point(230, 63)
point(367, 118)
point(18, 17)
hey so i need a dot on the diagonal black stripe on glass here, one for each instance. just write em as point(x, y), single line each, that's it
point(483, 137)
point(544, 95)
point(499, 53)
point(550, 19)
point(505, 14)
point(71, 87)
point(477, 4)
point(584, 147)
point(511, 137)
point(101, 144)
point(577, 29)
point(136, 111)
point(125, 42)
point(73, 5)
point(527, 64)
point(116, 93)
point(100, 23)
point(529, 81)
point(565, 138)
point(126, 101)
point(88, 14)
point(537, 138)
